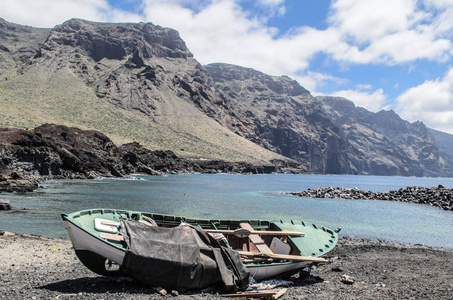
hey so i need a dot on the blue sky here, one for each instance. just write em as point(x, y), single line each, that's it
point(387, 54)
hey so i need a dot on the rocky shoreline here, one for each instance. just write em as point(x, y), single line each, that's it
point(36, 267)
point(59, 152)
point(435, 196)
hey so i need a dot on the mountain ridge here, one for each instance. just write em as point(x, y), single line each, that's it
point(138, 82)
point(152, 104)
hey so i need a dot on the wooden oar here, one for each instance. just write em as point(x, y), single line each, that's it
point(243, 231)
point(113, 237)
point(239, 231)
point(146, 221)
point(283, 257)
point(110, 223)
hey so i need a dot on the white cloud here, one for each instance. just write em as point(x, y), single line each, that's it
point(48, 13)
point(276, 7)
point(374, 101)
point(431, 102)
point(366, 21)
point(271, 2)
point(442, 24)
point(389, 32)
point(224, 32)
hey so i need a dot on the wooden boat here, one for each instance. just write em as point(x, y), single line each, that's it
point(266, 248)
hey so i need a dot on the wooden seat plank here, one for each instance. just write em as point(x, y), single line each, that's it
point(256, 239)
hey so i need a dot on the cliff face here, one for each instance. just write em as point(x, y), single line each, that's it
point(327, 134)
point(136, 82)
point(279, 114)
point(384, 144)
point(18, 44)
point(69, 152)
point(140, 83)
point(133, 66)
point(446, 141)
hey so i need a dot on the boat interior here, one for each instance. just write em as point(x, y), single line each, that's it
point(249, 236)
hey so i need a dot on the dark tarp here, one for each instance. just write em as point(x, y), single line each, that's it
point(180, 257)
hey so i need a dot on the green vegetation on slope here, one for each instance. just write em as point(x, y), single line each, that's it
point(38, 96)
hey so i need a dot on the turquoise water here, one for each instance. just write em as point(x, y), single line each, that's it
point(240, 197)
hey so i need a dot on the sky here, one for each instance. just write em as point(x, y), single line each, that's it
point(386, 54)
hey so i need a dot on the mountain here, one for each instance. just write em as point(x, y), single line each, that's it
point(278, 114)
point(384, 144)
point(445, 140)
point(139, 83)
point(17, 45)
point(328, 134)
point(134, 82)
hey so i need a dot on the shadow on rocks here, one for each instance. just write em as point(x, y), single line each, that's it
point(305, 278)
point(98, 285)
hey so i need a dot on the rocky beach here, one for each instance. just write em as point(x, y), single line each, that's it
point(435, 196)
point(37, 267)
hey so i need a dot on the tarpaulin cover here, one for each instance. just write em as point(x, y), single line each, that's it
point(180, 257)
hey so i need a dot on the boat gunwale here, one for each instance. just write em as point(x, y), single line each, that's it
point(101, 211)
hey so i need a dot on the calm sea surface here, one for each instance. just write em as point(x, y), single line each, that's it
point(225, 196)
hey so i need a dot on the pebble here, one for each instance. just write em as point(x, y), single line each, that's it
point(337, 269)
point(347, 279)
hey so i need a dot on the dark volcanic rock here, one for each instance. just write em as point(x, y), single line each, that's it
point(436, 196)
point(58, 151)
point(16, 182)
point(5, 205)
point(279, 114)
point(137, 159)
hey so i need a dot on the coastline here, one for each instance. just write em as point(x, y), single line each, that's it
point(439, 196)
point(41, 267)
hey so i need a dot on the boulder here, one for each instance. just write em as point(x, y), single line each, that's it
point(5, 204)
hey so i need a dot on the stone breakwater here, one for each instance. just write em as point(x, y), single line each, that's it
point(435, 196)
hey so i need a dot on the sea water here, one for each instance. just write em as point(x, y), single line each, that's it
point(226, 196)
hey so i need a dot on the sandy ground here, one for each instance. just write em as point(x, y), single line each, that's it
point(35, 267)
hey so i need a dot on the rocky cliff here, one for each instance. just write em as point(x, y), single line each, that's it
point(446, 141)
point(384, 144)
point(134, 82)
point(140, 85)
point(327, 134)
point(278, 114)
point(17, 45)
point(57, 151)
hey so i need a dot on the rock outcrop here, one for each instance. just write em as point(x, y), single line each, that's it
point(133, 81)
point(16, 182)
point(436, 196)
point(139, 82)
point(384, 144)
point(4, 205)
point(278, 114)
point(18, 44)
point(57, 151)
